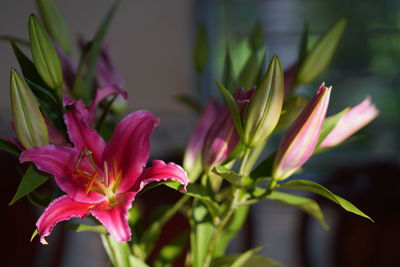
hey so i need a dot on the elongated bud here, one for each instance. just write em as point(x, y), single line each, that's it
point(300, 140)
point(352, 121)
point(44, 55)
point(28, 120)
point(222, 137)
point(55, 23)
point(266, 106)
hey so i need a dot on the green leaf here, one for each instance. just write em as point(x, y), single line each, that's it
point(202, 230)
point(248, 75)
point(303, 43)
point(329, 124)
point(256, 37)
point(190, 102)
point(320, 190)
point(227, 174)
point(233, 108)
point(29, 123)
point(55, 23)
point(40, 200)
point(32, 179)
point(171, 251)
point(135, 261)
point(87, 228)
point(200, 52)
point(83, 83)
point(14, 39)
point(308, 205)
point(44, 55)
point(228, 73)
point(248, 258)
point(9, 147)
point(321, 55)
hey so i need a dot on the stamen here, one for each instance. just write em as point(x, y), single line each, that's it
point(89, 154)
point(90, 184)
point(78, 162)
point(83, 173)
point(106, 180)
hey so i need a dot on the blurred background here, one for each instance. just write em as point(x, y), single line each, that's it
point(152, 43)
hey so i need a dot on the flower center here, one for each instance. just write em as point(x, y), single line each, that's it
point(103, 180)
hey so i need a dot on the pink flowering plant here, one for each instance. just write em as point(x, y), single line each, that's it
point(60, 110)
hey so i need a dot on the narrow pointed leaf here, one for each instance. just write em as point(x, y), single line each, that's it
point(9, 147)
point(256, 37)
point(28, 120)
point(320, 190)
point(44, 55)
point(321, 55)
point(228, 73)
point(248, 75)
point(308, 205)
point(32, 179)
point(83, 83)
point(248, 258)
point(87, 228)
point(303, 43)
point(55, 23)
point(329, 125)
point(14, 39)
point(227, 174)
point(233, 108)
point(200, 53)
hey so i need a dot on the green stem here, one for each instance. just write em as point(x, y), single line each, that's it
point(228, 214)
point(105, 112)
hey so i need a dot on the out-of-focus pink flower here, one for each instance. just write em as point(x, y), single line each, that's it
point(352, 121)
point(301, 138)
point(222, 137)
point(195, 144)
point(100, 179)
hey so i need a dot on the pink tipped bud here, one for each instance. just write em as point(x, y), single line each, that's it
point(352, 121)
point(300, 140)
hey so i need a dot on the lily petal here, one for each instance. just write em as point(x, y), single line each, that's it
point(61, 209)
point(130, 146)
point(80, 134)
point(61, 162)
point(104, 92)
point(160, 171)
point(115, 217)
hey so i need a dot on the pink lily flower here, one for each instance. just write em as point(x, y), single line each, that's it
point(301, 138)
point(353, 120)
point(100, 179)
point(222, 137)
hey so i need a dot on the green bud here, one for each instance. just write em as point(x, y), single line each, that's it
point(55, 23)
point(44, 55)
point(266, 106)
point(321, 55)
point(28, 120)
